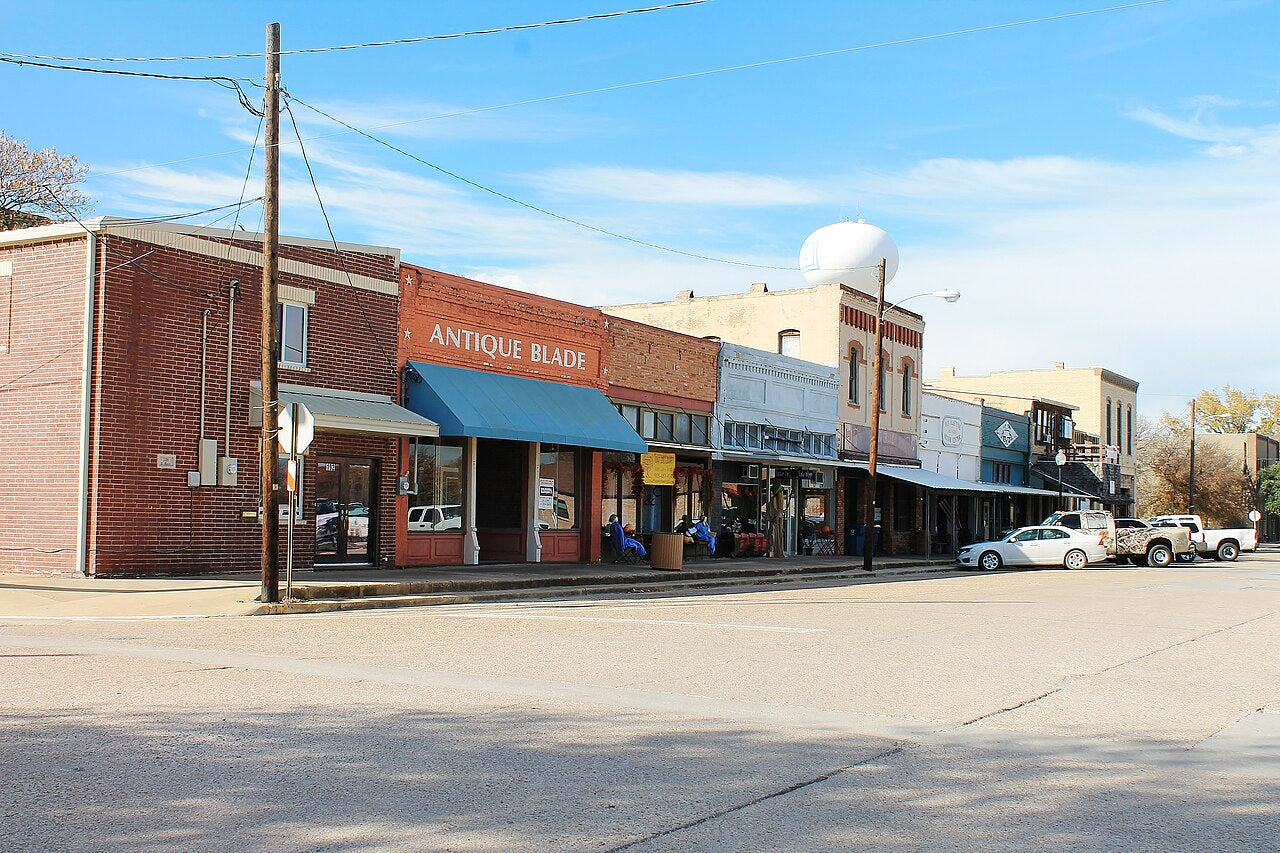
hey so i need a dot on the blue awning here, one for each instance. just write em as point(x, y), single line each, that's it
point(492, 405)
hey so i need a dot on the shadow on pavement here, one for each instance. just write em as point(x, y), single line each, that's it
point(524, 778)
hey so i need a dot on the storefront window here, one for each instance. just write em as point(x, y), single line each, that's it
point(815, 512)
point(436, 475)
point(904, 499)
point(619, 497)
point(557, 487)
point(740, 506)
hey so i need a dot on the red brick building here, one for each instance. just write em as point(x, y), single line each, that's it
point(665, 385)
point(129, 438)
point(515, 383)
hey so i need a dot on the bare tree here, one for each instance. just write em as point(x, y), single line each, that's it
point(1224, 493)
point(38, 186)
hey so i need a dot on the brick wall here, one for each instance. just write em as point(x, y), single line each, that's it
point(147, 402)
point(507, 317)
point(42, 326)
point(649, 364)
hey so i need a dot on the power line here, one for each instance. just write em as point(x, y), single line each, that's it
point(337, 251)
point(634, 84)
point(411, 40)
point(528, 205)
point(764, 63)
point(231, 83)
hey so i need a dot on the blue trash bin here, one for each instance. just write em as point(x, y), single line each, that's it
point(859, 539)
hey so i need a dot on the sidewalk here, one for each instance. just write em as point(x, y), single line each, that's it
point(63, 597)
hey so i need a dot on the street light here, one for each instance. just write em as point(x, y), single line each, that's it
point(1061, 460)
point(868, 543)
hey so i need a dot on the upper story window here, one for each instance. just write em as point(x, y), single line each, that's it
point(906, 388)
point(1108, 420)
point(789, 342)
point(1129, 430)
point(291, 346)
point(678, 427)
point(855, 374)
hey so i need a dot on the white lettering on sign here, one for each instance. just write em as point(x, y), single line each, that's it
point(501, 346)
point(952, 431)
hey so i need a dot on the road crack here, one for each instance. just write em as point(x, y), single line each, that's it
point(888, 753)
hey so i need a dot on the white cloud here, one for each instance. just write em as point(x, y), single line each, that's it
point(664, 186)
point(1165, 272)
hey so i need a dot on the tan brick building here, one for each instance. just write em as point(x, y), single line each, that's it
point(1102, 424)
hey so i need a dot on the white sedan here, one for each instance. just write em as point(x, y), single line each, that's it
point(1036, 546)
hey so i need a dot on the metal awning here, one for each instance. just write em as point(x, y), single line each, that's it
point(786, 459)
point(942, 482)
point(347, 411)
point(494, 405)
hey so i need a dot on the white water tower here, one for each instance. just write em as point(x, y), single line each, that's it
point(848, 253)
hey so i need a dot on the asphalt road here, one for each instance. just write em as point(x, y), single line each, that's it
point(1108, 709)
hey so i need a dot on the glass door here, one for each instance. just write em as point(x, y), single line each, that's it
point(346, 510)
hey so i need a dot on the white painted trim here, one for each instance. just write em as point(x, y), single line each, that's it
point(532, 541)
point(471, 541)
point(241, 255)
point(298, 295)
point(116, 222)
point(188, 238)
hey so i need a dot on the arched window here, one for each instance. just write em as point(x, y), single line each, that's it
point(789, 342)
point(855, 374)
point(906, 387)
point(1108, 420)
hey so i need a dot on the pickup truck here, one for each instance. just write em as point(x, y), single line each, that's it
point(1222, 544)
point(1130, 539)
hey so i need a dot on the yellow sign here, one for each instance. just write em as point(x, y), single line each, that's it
point(659, 468)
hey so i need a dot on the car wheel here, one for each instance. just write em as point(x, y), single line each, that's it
point(1228, 551)
point(1188, 557)
point(1075, 559)
point(990, 561)
point(1159, 556)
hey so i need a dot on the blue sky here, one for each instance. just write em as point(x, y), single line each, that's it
point(1104, 189)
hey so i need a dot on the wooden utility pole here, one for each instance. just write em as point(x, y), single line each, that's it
point(869, 538)
point(1191, 479)
point(270, 295)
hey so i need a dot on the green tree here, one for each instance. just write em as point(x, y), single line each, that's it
point(1233, 410)
point(1269, 490)
point(38, 186)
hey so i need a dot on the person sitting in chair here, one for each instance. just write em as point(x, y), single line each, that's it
point(700, 533)
point(621, 541)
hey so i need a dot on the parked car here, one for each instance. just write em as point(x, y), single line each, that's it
point(1220, 544)
point(435, 517)
point(1128, 539)
point(1042, 545)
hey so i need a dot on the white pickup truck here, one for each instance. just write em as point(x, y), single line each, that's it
point(1225, 544)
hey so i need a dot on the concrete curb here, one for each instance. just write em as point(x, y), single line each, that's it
point(469, 592)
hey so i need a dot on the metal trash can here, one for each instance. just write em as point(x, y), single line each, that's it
point(667, 551)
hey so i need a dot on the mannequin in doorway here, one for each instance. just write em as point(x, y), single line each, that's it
point(777, 513)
